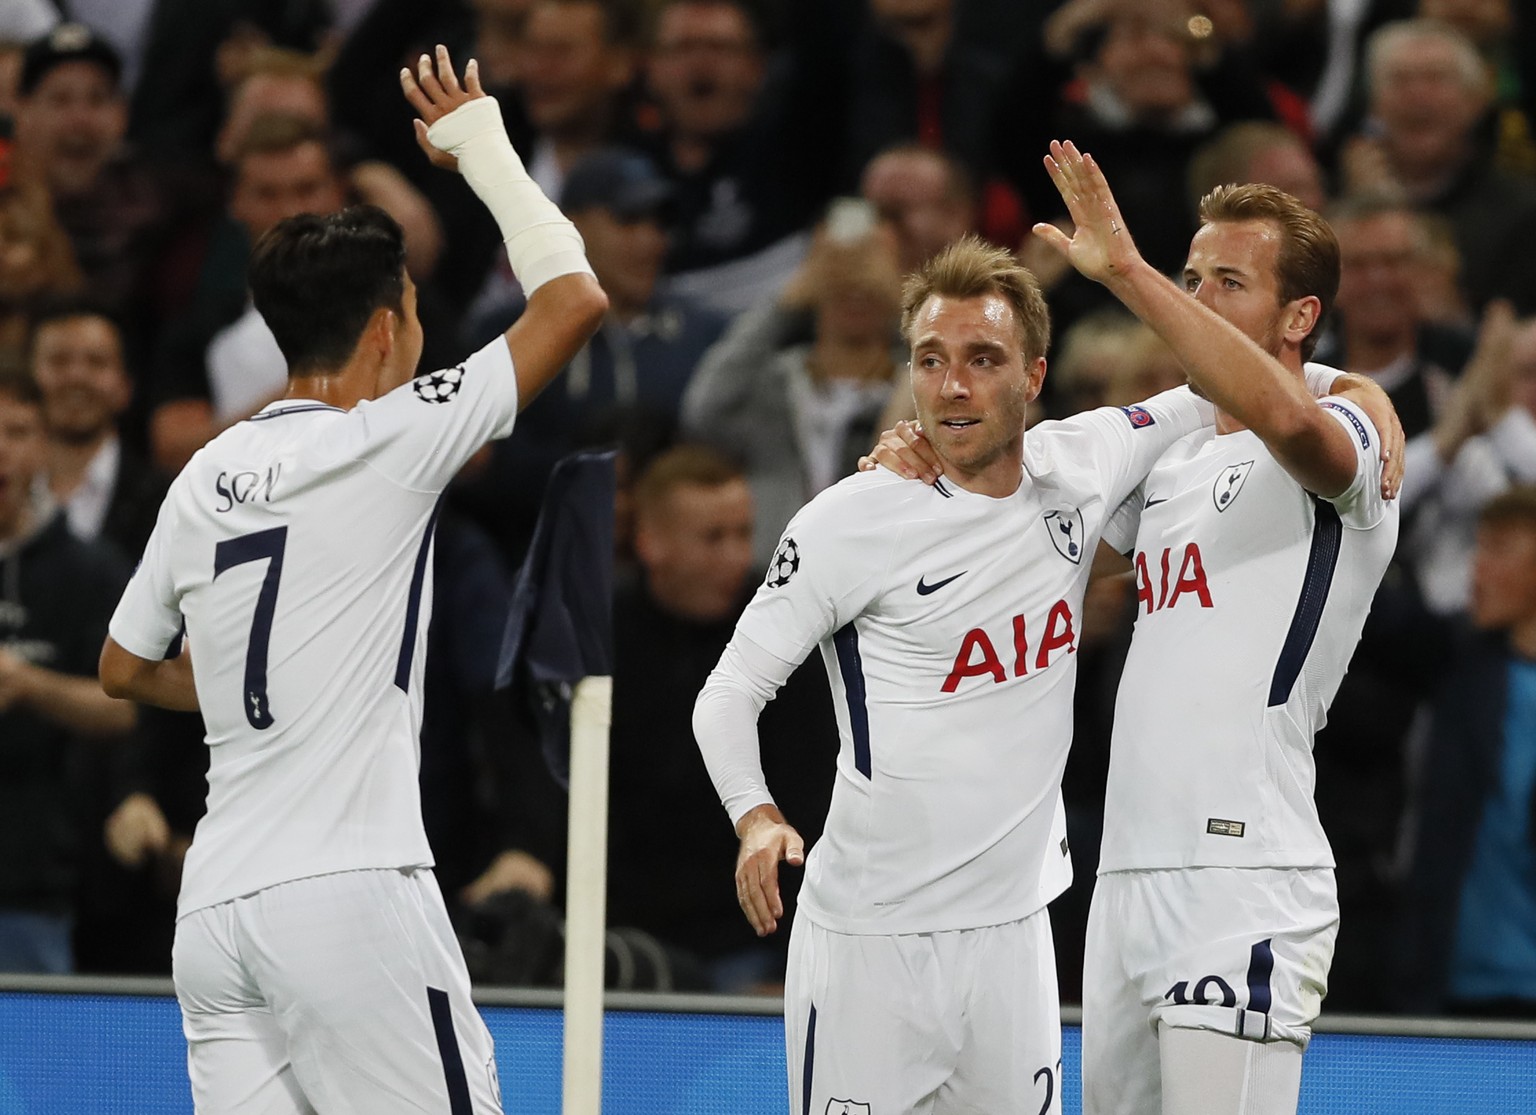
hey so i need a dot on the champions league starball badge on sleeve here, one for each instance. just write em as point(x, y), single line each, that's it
point(786, 560)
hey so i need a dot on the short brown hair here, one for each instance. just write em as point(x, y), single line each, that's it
point(698, 465)
point(1309, 251)
point(275, 133)
point(971, 268)
point(1516, 507)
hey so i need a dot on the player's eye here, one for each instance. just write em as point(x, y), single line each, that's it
point(1232, 284)
point(1191, 284)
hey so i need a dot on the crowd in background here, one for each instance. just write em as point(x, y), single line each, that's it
point(752, 180)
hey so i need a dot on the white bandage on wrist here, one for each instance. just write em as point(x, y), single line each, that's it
point(542, 244)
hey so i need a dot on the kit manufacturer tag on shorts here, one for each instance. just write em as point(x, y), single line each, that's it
point(1217, 827)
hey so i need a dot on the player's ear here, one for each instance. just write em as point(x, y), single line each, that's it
point(1302, 317)
point(1036, 376)
point(383, 331)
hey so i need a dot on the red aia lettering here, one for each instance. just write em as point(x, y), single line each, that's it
point(964, 668)
point(977, 656)
point(1190, 581)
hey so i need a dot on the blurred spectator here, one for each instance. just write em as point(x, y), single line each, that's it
point(105, 489)
point(57, 596)
point(1429, 92)
point(1257, 151)
point(578, 63)
point(750, 147)
point(1483, 441)
point(190, 52)
point(221, 362)
point(70, 122)
point(288, 83)
point(36, 264)
point(635, 368)
point(1469, 924)
point(1490, 26)
point(927, 197)
point(1108, 358)
point(911, 80)
point(71, 118)
point(1088, 359)
point(800, 414)
point(1378, 329)
point(577, 71)
point(1144, 93)
point(670, 856)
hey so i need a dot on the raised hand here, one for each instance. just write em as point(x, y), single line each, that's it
point(1100, 246)
point(434, 91)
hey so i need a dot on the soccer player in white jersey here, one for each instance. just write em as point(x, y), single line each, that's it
point(314, 962)
point(921, 973)
point(1257, 550)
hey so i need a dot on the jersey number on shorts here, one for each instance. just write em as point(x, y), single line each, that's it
point(1050, 1085)
point(264, 545)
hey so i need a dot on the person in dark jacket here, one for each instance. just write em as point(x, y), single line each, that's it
point(1469, 926)
point(56, 595)
point(670, 854)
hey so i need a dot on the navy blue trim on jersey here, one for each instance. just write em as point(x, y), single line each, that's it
point(1327, 538)
point(301, 409)
point(448, 1050)
point(810, 1054)
point(938, 486)
point(1261, 965)
point(413, 604)
point(846, 639)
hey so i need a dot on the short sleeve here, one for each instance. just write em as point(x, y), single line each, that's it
point(421, 433)
point(148, 616)
point(822, 574)
point(1119, 444)
point(1320, 379)
point(1360, 506)
point(1123, 523)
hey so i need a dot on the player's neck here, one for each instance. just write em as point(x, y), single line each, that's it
point(344, 387)
point(999, 479)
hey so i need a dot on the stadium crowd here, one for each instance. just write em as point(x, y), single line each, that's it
point(752, 180)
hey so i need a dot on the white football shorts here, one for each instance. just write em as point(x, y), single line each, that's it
point(1239, 951)
point(341, 994)
point(962, 1022)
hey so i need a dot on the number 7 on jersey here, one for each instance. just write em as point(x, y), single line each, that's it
point(265, 545)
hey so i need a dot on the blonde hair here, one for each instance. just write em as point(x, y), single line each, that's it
point(971, 268)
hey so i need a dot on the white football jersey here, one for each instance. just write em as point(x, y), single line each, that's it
point(948, 622)
point(1251, 595)
point(297, 549)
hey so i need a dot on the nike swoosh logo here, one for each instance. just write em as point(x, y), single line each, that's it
point(1155, 502)
point(925, 589)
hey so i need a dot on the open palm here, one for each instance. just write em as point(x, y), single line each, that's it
point(1100, 246)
